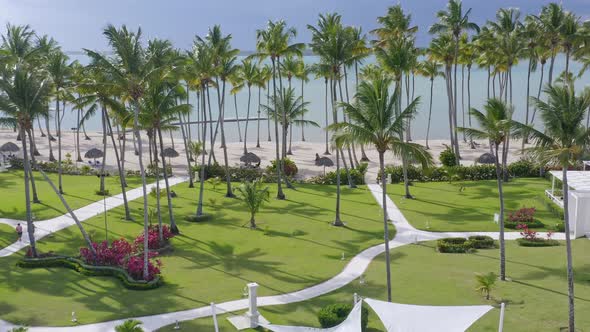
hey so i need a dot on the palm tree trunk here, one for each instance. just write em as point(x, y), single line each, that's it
point(32, 178)
point(267, 116)
point(247, 120)
point(488, 90)
point(202, 170)
point(157, 174)
point(302, 126)
point(289, 151)
point(347, 144)
point(501, 196)
point(252, 221)
point(229, 192)
point(429, 111)
point(351, 147)
point(463, 101)
point(327, 152)
point(187, 153)
point(49, 139)
point(538, 92)
point(59, 167)
point(455, 132)
point(40, 129)
point(552, 63)
point(121, 171)
point(144, 190)
point(257, 121)
point(84, 131)
point(568, 246)
point(27, 168)
point(212, 142)
point(337, 220)
point(450, 103)
point(280, 194)
point(173, 226)
point(79, 154)
point(471, 144)
point(385, 221)
point(528, 93)
point(104, 149)
point(237, 117)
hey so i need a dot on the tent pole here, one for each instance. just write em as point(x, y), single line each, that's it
point(502, 309)
point(214, 317)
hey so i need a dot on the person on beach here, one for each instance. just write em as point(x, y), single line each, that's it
point(19, 232)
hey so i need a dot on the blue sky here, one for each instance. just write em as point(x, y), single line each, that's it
point(77, 24)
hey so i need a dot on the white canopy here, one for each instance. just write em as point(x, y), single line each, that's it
point(351, 324)
point(577, 180)
point(398, 317)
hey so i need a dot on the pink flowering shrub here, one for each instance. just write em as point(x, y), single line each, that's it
point(523, 215)
point(153, 238)
point(115, 255)
point(135, 267)
point(527, 233)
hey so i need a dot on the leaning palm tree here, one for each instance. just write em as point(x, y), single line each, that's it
point(563, 142)
point(375, 121)
point(495, 125)
point(431, 70)
point(253, 197)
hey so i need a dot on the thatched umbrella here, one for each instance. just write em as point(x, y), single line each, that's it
point(9, 148)
point(486, 158)
point(250, 158)
point(323, 161)
point(94, 153)
point(169, 153)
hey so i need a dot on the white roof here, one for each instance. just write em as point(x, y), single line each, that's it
point(577, 180)
point(352, 323)
point(397, 317)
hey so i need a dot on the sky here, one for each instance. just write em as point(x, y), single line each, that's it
point(77, 24)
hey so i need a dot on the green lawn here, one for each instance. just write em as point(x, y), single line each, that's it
point(79, 191)
point(7, 235)
point(440, 206)
point(537, 294)
point(295, 247)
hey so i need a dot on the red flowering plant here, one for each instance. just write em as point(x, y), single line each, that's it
point(136, 263)
point(154, 238)
point(114, 255)
point(526, 233)
point(522, 215)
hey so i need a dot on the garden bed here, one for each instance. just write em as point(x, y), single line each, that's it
point(537, 243)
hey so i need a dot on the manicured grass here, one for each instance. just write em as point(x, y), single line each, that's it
point(537, 294)
point(441, 206)
point(7, 235)
point(294, 247)
point(79, 191)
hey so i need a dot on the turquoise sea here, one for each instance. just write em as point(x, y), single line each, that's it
point(314, 93)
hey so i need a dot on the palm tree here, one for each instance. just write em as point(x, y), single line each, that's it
point(253, 197)
point(485, 283)
point(551, 20)
point(531, 33)
point(302, 74)
point(274, 43)
point(563, 142)
point(323, 70)
point(130, 325)
point(431, 70)
point(495, 125)
point(130, 70)
point(248, 74)
point(453, 21)
point(376, 121)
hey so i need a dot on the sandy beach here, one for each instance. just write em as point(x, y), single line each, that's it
point(303, 152)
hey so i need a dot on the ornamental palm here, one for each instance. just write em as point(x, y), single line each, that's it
point(431, 70)
point(496, 126)
point(563, 142)
point(130, 325)
point(376, 121)
point(485, 283)
point(253, 197)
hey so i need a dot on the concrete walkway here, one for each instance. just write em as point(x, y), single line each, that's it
point(49, 226)
point(406, 234)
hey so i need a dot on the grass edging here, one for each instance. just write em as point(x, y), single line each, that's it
point(90, 270)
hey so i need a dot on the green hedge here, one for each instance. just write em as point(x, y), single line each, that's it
point(454, 245)
point(537, 243)
point(90, 270)
point(238, 174)
point(514, 225)
point(334, 314)
point(482, 242)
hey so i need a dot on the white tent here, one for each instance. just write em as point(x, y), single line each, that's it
point(351, 324)
point(397, 317)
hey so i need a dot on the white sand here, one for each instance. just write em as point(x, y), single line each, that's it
point(303, 152)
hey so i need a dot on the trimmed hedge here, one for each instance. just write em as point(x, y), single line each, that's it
point(454, 245)
point(90, 270)
point(238, 174)
point(537, 243)
point(482, 242)
point(514, 225)
point(334, 314)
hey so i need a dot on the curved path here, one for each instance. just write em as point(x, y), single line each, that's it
point(406, 234)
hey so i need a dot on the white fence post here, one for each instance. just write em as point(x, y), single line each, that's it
point(502, 309)
point(214, 314)
point(252, 304)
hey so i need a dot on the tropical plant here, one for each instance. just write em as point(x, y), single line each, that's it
point(485, 283)
point(253, 196)
point(130, 325)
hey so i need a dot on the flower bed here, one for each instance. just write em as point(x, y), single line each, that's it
point(530, 238)
point(523, 216)
point(91, 270)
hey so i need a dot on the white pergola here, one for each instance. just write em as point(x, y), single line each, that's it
point(579, 199)
point(576, 180)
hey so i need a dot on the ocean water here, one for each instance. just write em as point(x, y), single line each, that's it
point(314, 93)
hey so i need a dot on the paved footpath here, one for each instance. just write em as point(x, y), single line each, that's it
point(406, 234)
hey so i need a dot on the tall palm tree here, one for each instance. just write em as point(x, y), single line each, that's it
point(262, 75)
point(530, 32)
point(431, 70)
point(454, 21)
point(376, 121)
point(551, 20)
point(496, 126)
point(324, 70)
point(563, 142)
point(290, 67)
point(248, 75)
point(130, 71)
point(302, 74)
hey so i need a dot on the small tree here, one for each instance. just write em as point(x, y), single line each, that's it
point(130, 325)
point(485, 283)
point(253, 197)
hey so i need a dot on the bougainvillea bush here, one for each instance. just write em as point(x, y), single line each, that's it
point(523, 215)
point(114, 255)
point(135, 267)
point(154, 238)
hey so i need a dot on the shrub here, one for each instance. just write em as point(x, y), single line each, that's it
point(533, 224)
point(448, 158)
point(238, 174)
point(524, 169)
point(135, 267)
point(290, 167)
point(86, 170)
point(153, 238)
point(482, 242)
point(522, 215)
point(559, 227)
point(334, 314)
point(454, 245)
point(537, 243)
point(357, 175)
point(114, 255)
point(105, 192)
